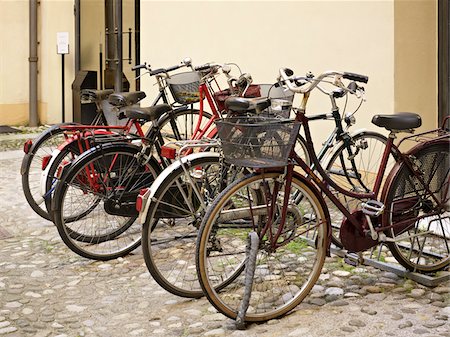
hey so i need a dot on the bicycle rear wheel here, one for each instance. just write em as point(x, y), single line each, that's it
point(421, 221)
point(101, 190)
point(31, 168)
point(285, 274)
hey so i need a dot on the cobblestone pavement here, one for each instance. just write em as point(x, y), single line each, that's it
point(46, 290)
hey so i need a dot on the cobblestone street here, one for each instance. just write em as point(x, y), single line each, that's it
point(47, 290)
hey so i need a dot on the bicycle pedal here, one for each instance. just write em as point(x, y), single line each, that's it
point(353, 260)
point(372, 208)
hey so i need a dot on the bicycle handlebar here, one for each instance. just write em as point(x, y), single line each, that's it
point(293, 82)
point(186, 62)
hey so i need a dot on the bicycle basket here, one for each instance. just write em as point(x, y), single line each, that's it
point(184, 87)
point(256, 141)
point(280, 99)
point(221, 96)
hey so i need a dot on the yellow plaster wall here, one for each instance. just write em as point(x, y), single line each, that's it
point(415, 59)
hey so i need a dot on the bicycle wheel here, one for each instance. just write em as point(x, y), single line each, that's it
point(285, 272)
point(31, 168)
point(421, 221)
point(354, 168)
point(101, 188)
point(180, 124)
point(173, 219)
point(59, 162)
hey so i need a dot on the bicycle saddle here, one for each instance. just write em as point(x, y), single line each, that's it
point(242, 104)
point(148, 114)
point(398, 121)
point(93, 95)
point(120, 99)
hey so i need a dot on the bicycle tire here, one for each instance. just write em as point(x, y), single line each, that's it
point(108, 232)
point(339, 168)
point(174, 215)
point(283, 277)
point(407, 201)
point(31, 167)
point(184, 128)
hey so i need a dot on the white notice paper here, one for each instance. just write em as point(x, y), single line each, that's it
point(62, 42)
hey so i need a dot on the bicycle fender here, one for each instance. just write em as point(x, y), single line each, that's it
point(44, 173)
point(25, 161)
point(147, 197)
point(37, 142)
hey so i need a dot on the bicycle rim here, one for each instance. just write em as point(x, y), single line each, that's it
point(356, 175)
point(32, 164)
point(421, 227)
point(172, 223)
point(283, 276)
point(101, 189)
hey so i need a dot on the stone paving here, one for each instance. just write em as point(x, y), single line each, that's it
point(46, 290)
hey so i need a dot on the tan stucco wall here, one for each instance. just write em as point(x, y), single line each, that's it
point(416, 59)
point(13, 62)
point(383, 39)
point(261, 37)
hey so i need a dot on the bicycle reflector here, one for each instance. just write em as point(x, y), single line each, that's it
point(168, 152)
point(27, 146)
point(140, 199)
point(45, 161)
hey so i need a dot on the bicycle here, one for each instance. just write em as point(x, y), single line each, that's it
point(176, 124)
point(113, 199)
point(278, 243)
point(172, 209)
point(38, 151)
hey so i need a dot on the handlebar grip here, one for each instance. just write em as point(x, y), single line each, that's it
point(288, 72)
point(175, 67)
point(205, 66)
point(356, 77)
point(139, 66)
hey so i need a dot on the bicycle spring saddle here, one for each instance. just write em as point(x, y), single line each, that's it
point(148, 114)
point(121, 99)
point(398, 121)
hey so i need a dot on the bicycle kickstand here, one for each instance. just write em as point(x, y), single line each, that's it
point(250, 266)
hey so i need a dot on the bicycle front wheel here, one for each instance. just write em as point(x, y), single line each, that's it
point(285, 270)
point(94, 203)
point(354, 167)
point(419, 211)
point(170, 229)
point(181, 124)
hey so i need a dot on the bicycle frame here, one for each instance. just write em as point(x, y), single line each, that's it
point(323, 183)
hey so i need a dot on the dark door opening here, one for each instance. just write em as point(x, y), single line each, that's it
point(443, 59)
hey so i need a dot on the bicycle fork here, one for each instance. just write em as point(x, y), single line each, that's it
point(253, 242)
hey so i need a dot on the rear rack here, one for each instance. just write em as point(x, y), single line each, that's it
point(442, 132)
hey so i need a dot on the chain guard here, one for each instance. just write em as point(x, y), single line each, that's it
point(353, 239)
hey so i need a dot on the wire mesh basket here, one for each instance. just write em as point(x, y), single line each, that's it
point(184, 87)
point(280, 100)
point(257, 141)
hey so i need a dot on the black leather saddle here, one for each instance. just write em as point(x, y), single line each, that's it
point(398, 121)
point(93, 95)
point(148, 114)
point(242, 104)
point(121, 99)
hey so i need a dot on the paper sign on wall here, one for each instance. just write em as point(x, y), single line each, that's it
point(62, 42)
